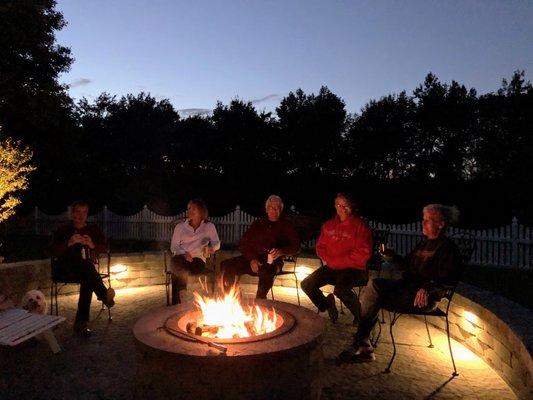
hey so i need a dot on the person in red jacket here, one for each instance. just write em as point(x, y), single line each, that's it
point(344, 247)
point(262, 247)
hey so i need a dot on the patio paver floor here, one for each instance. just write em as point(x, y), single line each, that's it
point(103, 367)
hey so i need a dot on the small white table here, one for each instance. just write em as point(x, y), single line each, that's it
point(17, 326)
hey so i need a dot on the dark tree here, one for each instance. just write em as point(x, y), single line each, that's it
point(378, 141)
point(312, 128)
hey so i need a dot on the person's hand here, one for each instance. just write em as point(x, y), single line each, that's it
point(387, 254)
point(76, 238)
point(254, 264)
point(188, 256)
point(88, 241)
point(421, 298)
point(275, 253)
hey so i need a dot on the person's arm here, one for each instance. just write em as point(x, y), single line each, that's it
point(214, 241)
point(448, 266)
point(293, 241)
point(361, 250)
point(175, 246)
point(248, 243)
point(59, 243)
point(98, 240)
point(321, 246)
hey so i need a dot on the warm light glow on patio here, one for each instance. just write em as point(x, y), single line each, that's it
point(303, 271)
point(117, 269)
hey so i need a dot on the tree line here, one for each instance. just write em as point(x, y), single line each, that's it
point(442, 142)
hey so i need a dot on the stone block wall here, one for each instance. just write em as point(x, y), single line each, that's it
point(497, 330)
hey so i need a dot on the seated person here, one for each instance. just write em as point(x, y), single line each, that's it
point(432, 266)
point(74, 248)
point(263, 246)
point(193, 241)
point(344, 246)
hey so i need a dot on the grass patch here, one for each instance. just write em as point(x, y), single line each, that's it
point(512, 283)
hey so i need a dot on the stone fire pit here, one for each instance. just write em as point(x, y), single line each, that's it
point(284, 364)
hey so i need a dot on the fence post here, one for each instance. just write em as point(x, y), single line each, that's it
point(514, 242)
point(36, 217)
point(236, 224)
point(144, 223)
point(105, 222)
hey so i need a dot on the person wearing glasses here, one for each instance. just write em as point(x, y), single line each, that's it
point(344, 247)
point(193, 241)
point(433, 265)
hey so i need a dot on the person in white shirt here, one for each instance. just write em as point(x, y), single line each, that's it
point(193, 240)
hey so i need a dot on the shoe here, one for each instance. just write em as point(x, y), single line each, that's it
point(354, 356)
point(81, 330)
point(109, 300)
point(332, 308)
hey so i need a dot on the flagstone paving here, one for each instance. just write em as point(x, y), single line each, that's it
point(104, 366)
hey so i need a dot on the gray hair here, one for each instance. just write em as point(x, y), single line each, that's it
point(274, 199)
point(449, 214)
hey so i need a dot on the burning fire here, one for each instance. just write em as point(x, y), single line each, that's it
point(226, 318)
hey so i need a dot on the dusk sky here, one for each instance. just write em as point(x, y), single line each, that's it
point(197, 52)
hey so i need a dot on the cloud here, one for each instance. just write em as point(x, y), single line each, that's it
point(79, 82)
point(189, 112)
point(266, 98)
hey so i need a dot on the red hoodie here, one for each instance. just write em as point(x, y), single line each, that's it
point(345, 244)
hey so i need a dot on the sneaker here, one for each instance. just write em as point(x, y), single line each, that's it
point(332, 308)
point(354, 356)
point(81, 330)
point(109, 300)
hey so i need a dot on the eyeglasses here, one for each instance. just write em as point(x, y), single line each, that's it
point(344, 206)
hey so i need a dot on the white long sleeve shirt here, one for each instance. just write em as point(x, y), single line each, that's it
point(187, 240)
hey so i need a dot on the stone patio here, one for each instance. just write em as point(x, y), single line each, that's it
point(104, 366)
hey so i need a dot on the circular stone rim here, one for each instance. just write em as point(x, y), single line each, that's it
point(287, 324)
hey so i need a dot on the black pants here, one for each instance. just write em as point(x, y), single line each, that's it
point(342, 279)
point(84, 273)
point(391, 294)
point(181, 269)
point(235, 266)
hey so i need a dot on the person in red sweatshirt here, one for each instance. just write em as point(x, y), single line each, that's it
point(344, 247)
point(262, 247)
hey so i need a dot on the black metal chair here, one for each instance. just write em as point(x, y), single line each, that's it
point(57, 284)
point(379, 237)
point(208, 271)
point(466, 246)
point(282, 271)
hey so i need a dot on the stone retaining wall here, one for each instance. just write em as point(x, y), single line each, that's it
point(497, 330)
point(494, 328)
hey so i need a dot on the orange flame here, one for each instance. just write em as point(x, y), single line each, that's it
point(232, 318)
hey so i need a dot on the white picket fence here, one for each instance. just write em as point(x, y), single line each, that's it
point(508, 246)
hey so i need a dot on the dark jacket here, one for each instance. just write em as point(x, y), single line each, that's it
point(264, 235)
point(60, 251)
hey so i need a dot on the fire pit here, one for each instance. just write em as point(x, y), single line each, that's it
point(175, 362)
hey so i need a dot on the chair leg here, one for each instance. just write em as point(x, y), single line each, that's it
point(51, 298)
point(376, 339)
point(427, 330)
point(297, 289)
point(393, 321)
point(167, 288)
point(109, 317)
point(455, 373)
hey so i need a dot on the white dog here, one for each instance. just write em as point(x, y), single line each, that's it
point(34, 301)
